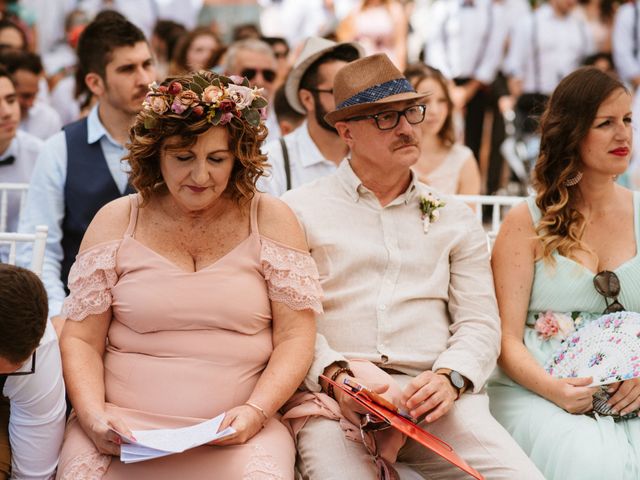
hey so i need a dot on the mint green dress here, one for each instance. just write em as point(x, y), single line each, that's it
point(565, 446)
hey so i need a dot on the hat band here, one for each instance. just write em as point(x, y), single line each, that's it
point(378, 92)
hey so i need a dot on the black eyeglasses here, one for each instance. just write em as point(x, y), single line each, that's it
point(607, 284)
point(390, 119)
point(29, 372)
point(268, 74)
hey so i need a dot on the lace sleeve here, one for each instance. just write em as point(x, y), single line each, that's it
point(291, 275)
point(90, 281)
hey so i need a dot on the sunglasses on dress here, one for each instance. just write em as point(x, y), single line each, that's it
point(268, 74)
point(607, 284)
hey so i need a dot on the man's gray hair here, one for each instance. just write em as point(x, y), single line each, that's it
point(251, 44)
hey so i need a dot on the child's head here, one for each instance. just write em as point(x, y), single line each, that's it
point(23, 315)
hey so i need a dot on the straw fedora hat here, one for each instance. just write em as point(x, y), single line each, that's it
point(365, 83)
point(312, 50)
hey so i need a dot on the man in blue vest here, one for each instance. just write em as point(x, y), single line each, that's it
point(80, 169)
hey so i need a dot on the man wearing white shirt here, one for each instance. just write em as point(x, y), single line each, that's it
point(32, 401)
point(18, 150)
point(80, 169)
point(37, 117)
point(545, 46)
point(465, 41)
point(314, 149)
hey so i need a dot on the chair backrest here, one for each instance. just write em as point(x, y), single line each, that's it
point(39, 240)
point(8, 190)
point(499, 206)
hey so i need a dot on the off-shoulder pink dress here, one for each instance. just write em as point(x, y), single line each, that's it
point(184, 347)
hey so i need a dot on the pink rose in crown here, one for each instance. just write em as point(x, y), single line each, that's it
point(184, 100)
point(226, 118)
point(241, 96)
point(158, 103)
point(212, 94)
point(237, 79)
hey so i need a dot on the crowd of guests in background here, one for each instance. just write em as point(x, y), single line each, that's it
point(354, 112)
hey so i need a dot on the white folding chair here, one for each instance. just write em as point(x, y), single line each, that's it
point(39, 240)
point(499, 206)
point(7, 191)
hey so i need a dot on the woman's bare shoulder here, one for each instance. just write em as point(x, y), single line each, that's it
point(110, 223)
point(277, 221)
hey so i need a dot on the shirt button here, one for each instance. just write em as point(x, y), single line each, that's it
point(384, 359)
point(382, 307)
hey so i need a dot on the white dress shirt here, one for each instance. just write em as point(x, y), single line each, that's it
point(37, 413)
point(45, 202)
point(41, 121)
point(627, 23)
point(393, 295)
point(541, 58)
point(25, 148)
point(466, 41)
point(306, 162)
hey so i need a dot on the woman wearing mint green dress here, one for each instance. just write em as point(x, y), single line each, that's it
point(545, 258)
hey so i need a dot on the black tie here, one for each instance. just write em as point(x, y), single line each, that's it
point(7, 160)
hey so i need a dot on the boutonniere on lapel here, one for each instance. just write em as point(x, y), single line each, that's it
point(429, 206)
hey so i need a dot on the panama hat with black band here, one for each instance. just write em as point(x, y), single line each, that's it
point(364, 84)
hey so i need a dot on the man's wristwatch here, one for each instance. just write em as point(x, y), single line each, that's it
point(456, 379)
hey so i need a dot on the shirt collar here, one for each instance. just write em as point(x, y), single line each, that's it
point(355, 189)
point(312, 154)
point(12, 149)
point(95, 128)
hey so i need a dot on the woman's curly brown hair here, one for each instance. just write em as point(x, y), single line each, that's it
point(568, 116)
point(145, 146)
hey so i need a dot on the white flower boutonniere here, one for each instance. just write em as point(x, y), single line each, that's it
point(429, 206)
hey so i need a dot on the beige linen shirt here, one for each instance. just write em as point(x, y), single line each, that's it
point(393, 295)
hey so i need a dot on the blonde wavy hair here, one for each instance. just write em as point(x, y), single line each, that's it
point(565, 123)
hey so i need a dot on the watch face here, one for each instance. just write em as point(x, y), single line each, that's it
point(456, 379)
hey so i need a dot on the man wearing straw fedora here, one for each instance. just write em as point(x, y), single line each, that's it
point(314, 149)
point(409, 306)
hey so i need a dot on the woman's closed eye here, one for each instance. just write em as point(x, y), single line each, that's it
point(216, 159)
point(183, 158)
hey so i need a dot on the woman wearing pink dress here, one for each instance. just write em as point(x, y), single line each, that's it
point(192, 298)
point(380, 26)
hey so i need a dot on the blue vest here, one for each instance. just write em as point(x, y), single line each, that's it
point(89, 186)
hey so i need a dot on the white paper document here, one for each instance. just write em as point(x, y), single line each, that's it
point(150, 444)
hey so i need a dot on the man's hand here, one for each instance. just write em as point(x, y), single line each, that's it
point(429, 392)
point(351, 409)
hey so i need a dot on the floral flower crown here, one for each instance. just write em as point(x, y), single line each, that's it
point(217, 98)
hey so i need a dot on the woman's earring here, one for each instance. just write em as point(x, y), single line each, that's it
point(570, 182)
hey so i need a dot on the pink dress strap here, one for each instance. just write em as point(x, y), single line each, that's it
point(134, 198)
point(254, 212)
